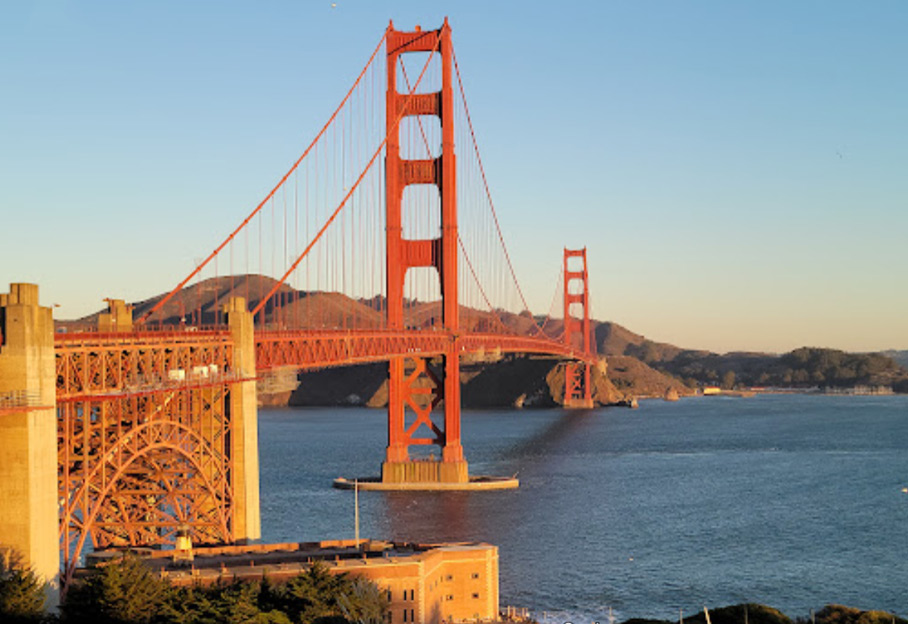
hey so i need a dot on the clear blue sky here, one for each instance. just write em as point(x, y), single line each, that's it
point(738, 170)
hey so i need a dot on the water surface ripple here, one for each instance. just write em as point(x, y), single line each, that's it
point(792, 501)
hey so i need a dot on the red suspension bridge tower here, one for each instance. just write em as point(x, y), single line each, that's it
point(578, 391)
point(407, 387)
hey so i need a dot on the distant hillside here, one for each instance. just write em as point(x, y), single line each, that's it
point(203, 302)
point(900, 357)
point(802, 368)
point(633, 377)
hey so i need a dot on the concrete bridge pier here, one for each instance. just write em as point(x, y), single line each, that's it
point(28, 435)
point(244, 446)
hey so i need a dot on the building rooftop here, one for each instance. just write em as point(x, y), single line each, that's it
point(282, 560)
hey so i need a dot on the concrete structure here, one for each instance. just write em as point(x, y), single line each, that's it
point(475, 483)
point(425, 583)
point(118, 317)
point(245, 424)
point(28, 432)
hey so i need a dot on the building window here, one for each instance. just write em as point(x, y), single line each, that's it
point(475, 595)
point(405, 615)
point(449, 597)
point(449, 578)
point(412, 593)
point(412, 619)
point(389, 595)
point(475, 575)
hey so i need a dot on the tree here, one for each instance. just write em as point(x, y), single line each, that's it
point(728, 380)
point(321, 597)
point(124, 591)
point(364, 603)
point(21, 591)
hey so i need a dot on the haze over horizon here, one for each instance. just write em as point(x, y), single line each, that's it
point(736, 171)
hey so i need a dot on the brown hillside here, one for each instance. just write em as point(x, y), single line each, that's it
point(633, 377)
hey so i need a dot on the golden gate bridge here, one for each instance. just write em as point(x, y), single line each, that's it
point(381, 243)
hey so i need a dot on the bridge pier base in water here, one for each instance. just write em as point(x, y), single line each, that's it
point(428, 471)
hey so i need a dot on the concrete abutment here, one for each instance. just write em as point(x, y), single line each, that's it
point(243, 408)
point(28, 434)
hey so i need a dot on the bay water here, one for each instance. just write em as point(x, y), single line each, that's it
point(794, 501)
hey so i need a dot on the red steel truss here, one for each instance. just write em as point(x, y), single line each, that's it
point(143, 431)
point(320, 349)
point(96, 364)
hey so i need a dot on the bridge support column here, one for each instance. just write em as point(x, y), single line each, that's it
point(418, 388)
point(453, 465)
point(577, 388)
point(28, 434)
point(412, 390)
point(244, 440)
point(118, 317)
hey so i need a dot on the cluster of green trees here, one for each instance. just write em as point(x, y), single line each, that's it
point(21, 591)
point(837, 368)
point(128, 592)
point(802, 368)
point(838, 614)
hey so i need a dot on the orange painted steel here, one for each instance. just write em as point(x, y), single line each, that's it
point(306, 350)
point(143, 439)
point(93, 364)
point(439, 253)
point(577, 387)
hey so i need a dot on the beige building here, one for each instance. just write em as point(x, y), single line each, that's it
point(443, 583)
point(426, 583)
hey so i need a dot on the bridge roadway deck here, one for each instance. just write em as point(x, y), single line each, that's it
point(91, 364)
point(310, 350)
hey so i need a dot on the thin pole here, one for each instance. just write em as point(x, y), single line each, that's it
point(356, 510)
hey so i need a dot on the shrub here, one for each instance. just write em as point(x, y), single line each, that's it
point(21, 591)
point(124, 591)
